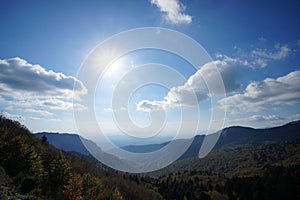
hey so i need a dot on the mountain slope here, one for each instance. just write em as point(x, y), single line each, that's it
point(75, 143)
point(68, 142)
point(33, 169)
point(233, 137)
point(247, 160)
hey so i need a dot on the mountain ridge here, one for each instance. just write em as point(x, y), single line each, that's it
point(235, 136)
point(230, 137)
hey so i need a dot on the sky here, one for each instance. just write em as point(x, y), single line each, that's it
point(254, 45)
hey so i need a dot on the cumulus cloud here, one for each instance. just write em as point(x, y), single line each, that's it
point(195, 89)
point(173, 11)
point(30, 85)
point(257, 96)
point(18, 78)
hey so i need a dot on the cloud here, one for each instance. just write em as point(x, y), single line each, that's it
point(262, 57)
point(12, 116)
point(40, 112)
point(18, 79)
point(280, 52)
point(29, 85)
point(53, 104)
point(258, 121)
point(195, 89)
point(257, 96)
point(108, 110)
point(262, 121)
point(173, 11)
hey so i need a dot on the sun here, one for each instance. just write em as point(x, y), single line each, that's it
point(115, 68)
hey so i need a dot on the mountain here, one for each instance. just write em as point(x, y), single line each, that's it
point(269, 171)
point(258, 164)
point(232, 137)
point(74, 143)
point(68, 142)
point(31, 168)
point(246, 160)
point(144, 148)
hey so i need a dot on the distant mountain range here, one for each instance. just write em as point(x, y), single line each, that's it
point(68, 142)
point(31, 168)
point(230, 137)
point(74, 143)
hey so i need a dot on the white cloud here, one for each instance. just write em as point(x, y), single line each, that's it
point(173, 11)
point(107, 109)
point(40, 112)
point(57, 104)
point(44, 119)
point(294, 117)
point(19, 79)
point(258, 121)
point(30, 86)
point(195, 86)
point(262, 121)
point(262, 57)
point(12, 116)
point(257, 96)
point(280, 52)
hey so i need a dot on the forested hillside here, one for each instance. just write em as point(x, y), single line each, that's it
point(30, 168)
point(269, 171)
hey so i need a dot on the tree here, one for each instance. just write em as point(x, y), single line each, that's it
point(72, 190)
point(59, 173)
point(44, 139)
point(91, 186)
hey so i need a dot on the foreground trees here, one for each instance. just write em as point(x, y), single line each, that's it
point(33, 169)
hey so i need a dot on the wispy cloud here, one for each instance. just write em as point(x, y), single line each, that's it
point(40, 112)
point(107, 109)
point(257, 96)
point(12, 116)
point(173, 11)
point(49, 103)
point(278, 53)
point(258, 121)
point(259, 57)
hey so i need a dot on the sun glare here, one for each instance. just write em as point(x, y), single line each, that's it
point(115, 68)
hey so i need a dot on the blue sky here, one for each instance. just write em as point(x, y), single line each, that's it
point(254, 44)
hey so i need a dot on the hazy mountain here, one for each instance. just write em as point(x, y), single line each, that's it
point(75, 143)
point(68, 142)
point(31, 168)
point(246, 164)
point(232, 137)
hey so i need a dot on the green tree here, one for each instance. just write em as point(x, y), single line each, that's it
point(59, 174)
point(44, 139)
point(91, 186)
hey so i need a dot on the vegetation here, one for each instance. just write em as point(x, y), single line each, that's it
point(247, 161)
point(276, 182)
point(268, 171)
point(31, 168)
